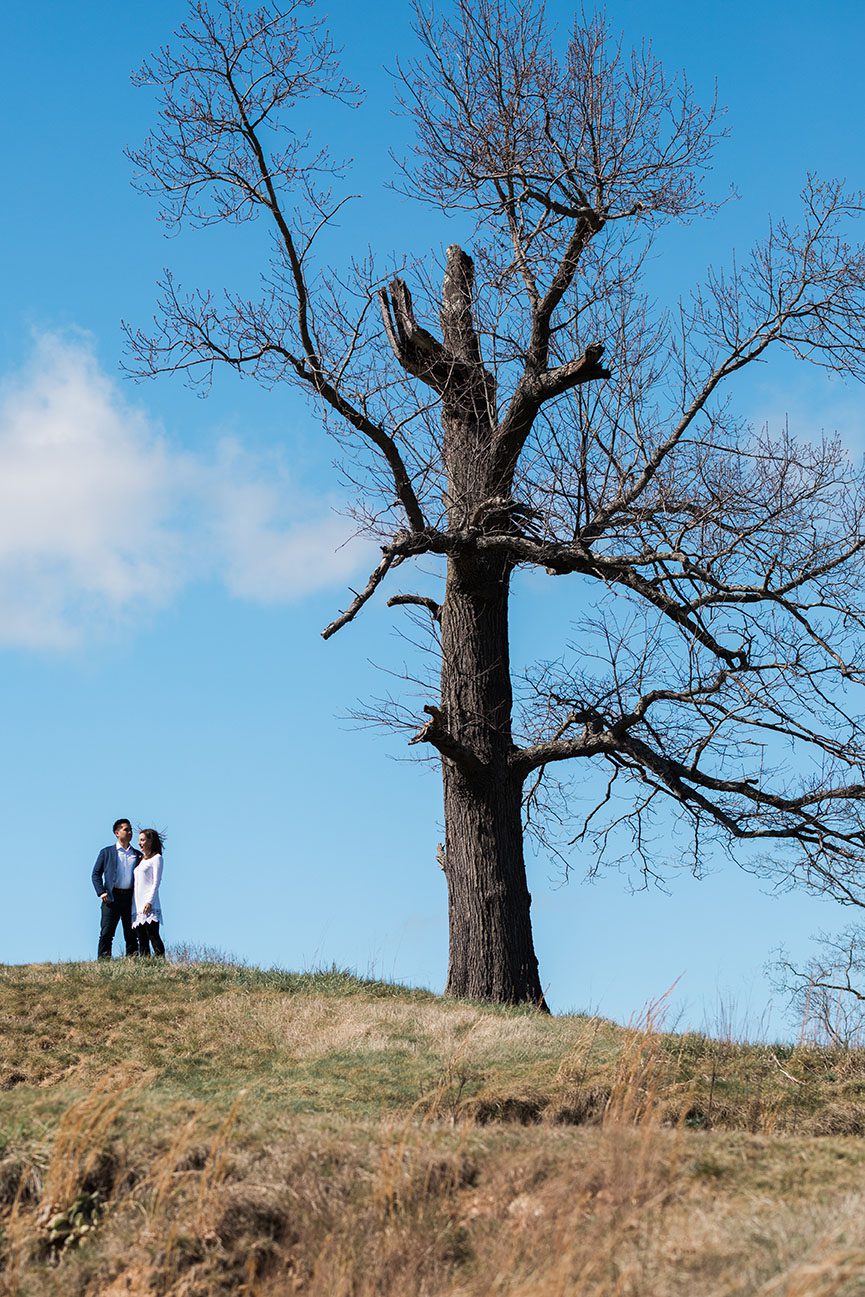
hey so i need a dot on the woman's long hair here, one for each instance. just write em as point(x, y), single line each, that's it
point(152, 841)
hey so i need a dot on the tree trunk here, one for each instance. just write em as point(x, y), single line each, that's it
point(492, 955)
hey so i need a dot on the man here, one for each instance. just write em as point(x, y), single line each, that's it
point(112, 878)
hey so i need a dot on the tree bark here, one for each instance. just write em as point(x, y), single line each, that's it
point(492, 954)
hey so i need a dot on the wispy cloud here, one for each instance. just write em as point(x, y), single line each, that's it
point(102, 516)
point(259, 555)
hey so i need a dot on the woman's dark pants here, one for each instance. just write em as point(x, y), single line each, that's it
point(148, 935)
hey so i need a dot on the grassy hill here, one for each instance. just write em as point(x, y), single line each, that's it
point(207, 1129)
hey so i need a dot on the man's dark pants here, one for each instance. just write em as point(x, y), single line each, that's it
point(113, 912)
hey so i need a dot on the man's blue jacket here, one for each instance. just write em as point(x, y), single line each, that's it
point(105, 870)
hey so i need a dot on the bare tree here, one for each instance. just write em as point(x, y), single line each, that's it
point(826, 995)
point(554, 418)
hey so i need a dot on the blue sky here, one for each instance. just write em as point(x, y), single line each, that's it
point(167, 562)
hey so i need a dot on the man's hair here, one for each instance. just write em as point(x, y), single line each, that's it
point(117, 824)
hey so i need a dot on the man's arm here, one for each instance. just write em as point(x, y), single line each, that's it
point(98, 875)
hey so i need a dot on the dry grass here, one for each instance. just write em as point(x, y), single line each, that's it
point(330, 1044)
point(223, 1131)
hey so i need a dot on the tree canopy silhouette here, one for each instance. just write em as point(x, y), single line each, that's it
point(553, 416)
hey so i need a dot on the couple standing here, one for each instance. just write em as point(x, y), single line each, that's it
point(127, 883)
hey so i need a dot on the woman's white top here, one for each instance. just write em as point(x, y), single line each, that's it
point(148, 874)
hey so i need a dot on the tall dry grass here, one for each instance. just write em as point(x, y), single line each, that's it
point(428, 1204)
point(371, 1146)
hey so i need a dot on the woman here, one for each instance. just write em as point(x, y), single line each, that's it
point(146, 911)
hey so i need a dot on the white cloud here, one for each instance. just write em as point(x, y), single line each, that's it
point(259, 556)
point(102, 519)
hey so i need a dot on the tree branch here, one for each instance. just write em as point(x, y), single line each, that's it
point(377, 576)
point(415, 348)
point(435, 731)
point(421, 600)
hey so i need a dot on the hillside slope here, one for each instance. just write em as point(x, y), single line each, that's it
point(204, 1129)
